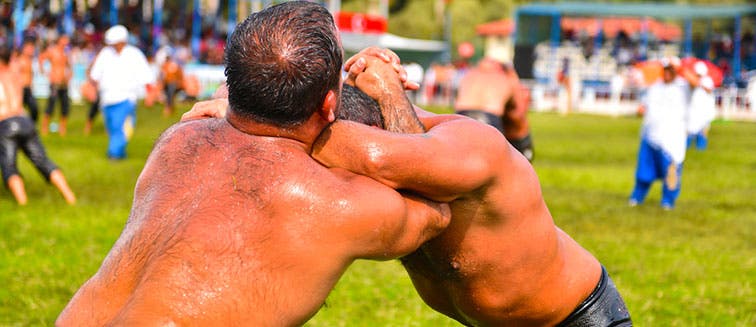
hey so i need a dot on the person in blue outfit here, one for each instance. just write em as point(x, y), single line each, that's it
point(663, 134)
point(121, 74)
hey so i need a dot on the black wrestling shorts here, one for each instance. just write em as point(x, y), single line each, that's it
point(58, 93)
point(603, 308)
point(484, 117)
point(18, 132)
point(525, 146)
point(30, 103)
point(170, 90)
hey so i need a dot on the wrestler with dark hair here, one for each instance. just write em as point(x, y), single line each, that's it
point(17, 132)
point(233, 223)
point(502, 261)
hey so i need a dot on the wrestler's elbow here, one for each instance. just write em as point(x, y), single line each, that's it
point(423, 222)
point(379, 165)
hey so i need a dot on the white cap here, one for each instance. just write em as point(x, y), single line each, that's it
point(116, 34)
point(700, 68)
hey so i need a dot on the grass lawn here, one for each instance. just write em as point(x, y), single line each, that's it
point(693, 266)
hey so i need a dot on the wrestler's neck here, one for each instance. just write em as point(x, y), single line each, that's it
point(303, 135)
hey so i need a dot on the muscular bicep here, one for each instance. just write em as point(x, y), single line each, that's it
point(381, 224)
point(453, 158)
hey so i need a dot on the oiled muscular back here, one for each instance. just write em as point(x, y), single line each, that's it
point(25, 72)
point(10, 95)
point(485, 87)
point(222, 222)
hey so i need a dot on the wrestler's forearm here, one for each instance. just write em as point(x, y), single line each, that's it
point(428, 164)
point(399, 115)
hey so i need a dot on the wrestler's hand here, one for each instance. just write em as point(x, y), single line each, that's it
point(358, 63)
point(215, 108)
point(379, 81)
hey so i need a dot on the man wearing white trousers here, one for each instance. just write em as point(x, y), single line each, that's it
point(121, 73)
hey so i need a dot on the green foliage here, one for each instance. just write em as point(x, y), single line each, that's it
point(693, 266)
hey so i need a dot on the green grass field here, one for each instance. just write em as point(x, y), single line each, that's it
point(694, 266)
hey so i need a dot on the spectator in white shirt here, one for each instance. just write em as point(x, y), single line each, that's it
point(121, 73)
point(663, 134)
point(701, 111)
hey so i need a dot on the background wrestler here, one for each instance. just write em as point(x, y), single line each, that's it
point(17, 132)
point(58, 75)
point(23, 65)
point(515, 118)
point(172, 76)
point(501, 261)
point(491, 93)
point(233, 222)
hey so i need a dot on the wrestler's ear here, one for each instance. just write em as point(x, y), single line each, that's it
point(330, 103)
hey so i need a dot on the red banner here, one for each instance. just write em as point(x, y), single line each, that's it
point(361, 23)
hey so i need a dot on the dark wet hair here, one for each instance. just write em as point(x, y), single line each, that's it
point(359, 107)
point(281, 62)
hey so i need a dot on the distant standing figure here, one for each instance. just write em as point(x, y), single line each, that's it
point(23, 65)
point(662, 148)
point(173, 76)
point(570, 82)
point(121, 73)
point(59, 75)
point(491, 93)
point(702, 108)
point(17, 132)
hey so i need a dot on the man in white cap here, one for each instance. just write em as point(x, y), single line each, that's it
point(663, 136)
point(121, 73)
point(701, 110)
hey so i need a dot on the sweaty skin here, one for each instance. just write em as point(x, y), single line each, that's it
point(501, 261)
point(515, 119)
point(11, 101)
point(23, 65)
point(60, 70)
point(486, 87)
point(232, 228)
point(11, 105)
point(171, 72)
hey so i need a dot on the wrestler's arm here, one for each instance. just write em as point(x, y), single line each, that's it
point(428, 163)
point(379, 223)
point(454, 157)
